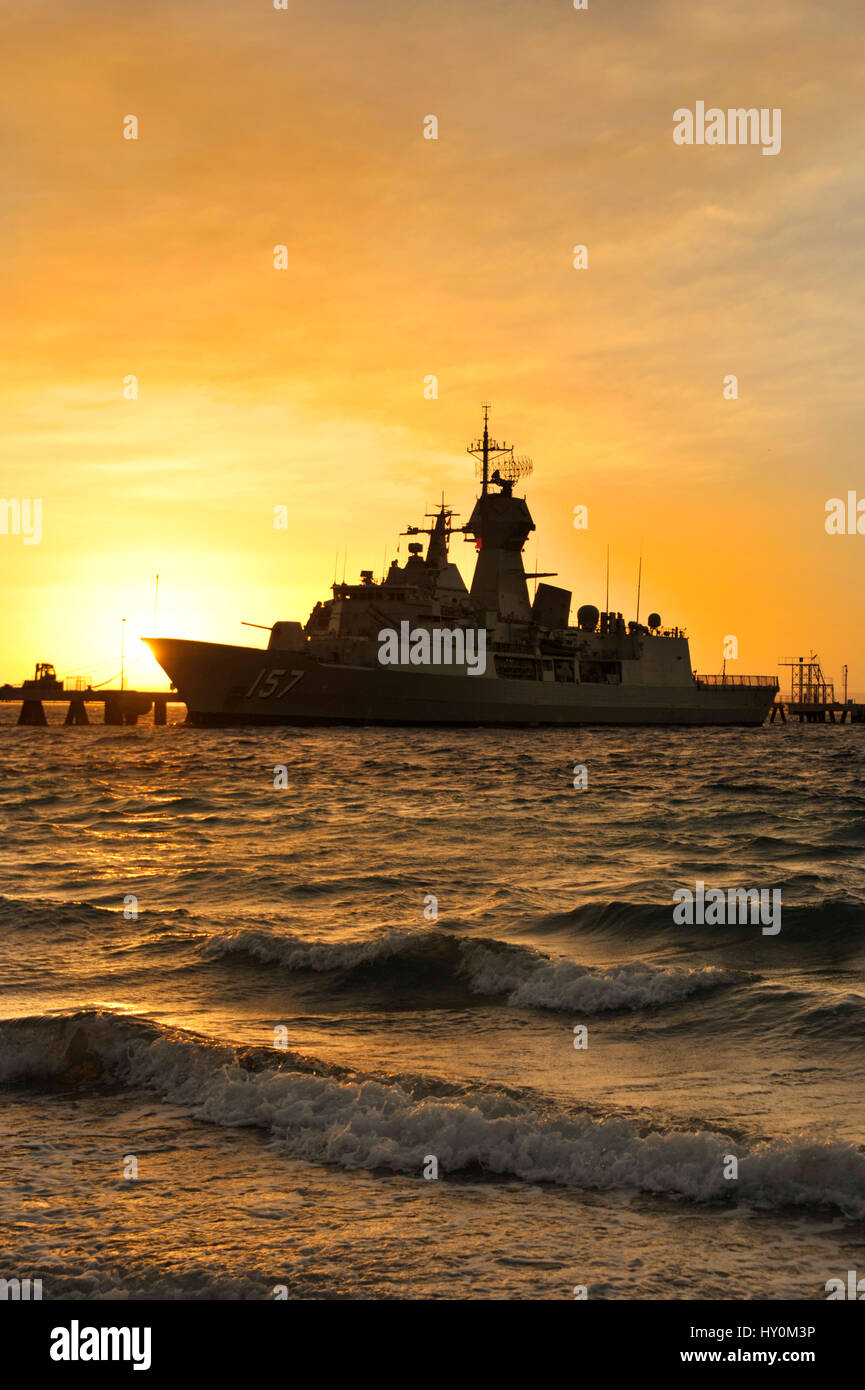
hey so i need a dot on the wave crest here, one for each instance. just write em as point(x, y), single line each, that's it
point(526, 978)
point(327, 1114)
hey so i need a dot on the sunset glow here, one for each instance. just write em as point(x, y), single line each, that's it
point(409, 257)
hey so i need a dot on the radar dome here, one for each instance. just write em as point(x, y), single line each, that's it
point(587, 617)
point(654, 620)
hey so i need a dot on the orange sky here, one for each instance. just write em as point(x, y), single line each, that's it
point(410, 257)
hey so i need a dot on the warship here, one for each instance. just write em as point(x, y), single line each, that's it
point(419, 647)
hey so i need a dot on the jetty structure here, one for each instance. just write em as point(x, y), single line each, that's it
point(121, 706)
point(419, 647)
point(812, 696)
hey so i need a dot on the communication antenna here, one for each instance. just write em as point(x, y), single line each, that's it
point(607, 601)
point(488, 451)
point(639, 583)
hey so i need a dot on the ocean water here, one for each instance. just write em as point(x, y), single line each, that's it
point(247, 995)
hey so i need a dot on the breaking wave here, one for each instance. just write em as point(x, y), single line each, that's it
point(526, 978)
point(327, 1114)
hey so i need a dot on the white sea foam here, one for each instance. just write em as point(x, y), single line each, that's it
point(295, 953)
point(565, 985)
point(528, 978)
point(360, 1123)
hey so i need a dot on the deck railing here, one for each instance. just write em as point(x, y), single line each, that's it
point(738, 680)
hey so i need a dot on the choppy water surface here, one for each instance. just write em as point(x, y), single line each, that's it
point(296, 916)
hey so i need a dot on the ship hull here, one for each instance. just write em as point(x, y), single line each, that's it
point(223, 685)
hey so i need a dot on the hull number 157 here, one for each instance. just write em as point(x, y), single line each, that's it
point(277, 681)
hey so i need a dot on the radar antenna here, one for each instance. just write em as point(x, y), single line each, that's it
point(487, 451)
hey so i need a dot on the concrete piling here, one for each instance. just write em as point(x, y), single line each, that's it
point(32, 713)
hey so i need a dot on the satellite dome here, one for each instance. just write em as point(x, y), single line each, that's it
point(654, 620)
point(587, 617)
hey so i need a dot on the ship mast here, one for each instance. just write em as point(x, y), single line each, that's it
point(486, 446)
point(500, 524)
point(486, 449)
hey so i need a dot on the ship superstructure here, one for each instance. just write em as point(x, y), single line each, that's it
point(419, 647)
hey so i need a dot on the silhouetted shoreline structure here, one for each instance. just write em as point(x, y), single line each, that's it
point(121, 706)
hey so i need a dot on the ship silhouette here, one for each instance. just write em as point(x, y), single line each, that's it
point(418, 647)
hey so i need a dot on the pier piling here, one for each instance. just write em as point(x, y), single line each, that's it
point(76, 713)
point(32, 713)
point(121, 706)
